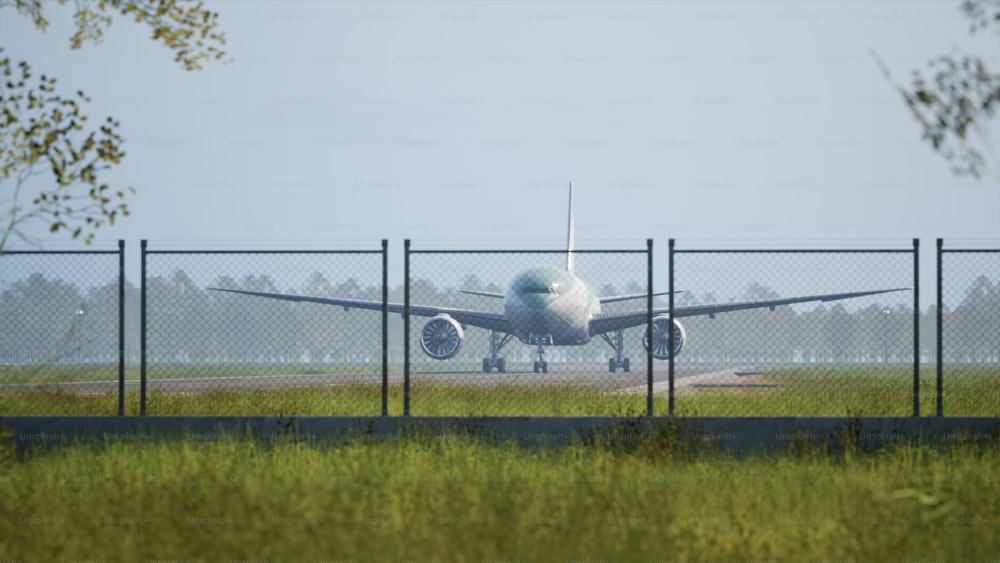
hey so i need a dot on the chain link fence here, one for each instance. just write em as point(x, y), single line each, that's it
point(229, 332)
point(61, 332)
point(968, 320)
point(501, 333)
point(832, 354)
point(489, 333)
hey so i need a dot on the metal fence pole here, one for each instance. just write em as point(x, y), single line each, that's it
point(916, 327)
point(406, 327)
point(649, 326)
point(939, 348)
point(385, 328)
point(142, 330)
point(670, 336)
point(121, 327)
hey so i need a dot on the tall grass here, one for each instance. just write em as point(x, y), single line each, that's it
point(841, 394)
point(429, 399)
point(846, 391)
point(455, 499)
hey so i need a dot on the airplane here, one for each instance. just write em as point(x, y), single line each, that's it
point(551, 306)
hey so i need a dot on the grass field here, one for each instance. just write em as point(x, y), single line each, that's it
point(849, 391)
point(853, 391)
point(454, 499)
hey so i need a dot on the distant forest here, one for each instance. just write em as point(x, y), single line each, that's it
point(49, 320)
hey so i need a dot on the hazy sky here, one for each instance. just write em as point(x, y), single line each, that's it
point(763, 123)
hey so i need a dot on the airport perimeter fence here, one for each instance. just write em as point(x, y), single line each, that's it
point(967, 319)
point(846, 344)
point(62, 331)
point(232, 332)
point(195, 349)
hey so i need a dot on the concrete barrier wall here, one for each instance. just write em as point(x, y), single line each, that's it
point(726, 433)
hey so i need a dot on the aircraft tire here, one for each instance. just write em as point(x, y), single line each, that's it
point(545, 367)
point(625, 365)
point(487, 365)
point(537, 367)
point(612, 365)
point(501, 365)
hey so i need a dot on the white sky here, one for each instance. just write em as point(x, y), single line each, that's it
point(757, 123)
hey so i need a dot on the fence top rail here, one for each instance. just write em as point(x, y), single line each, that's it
point(972, 250)
point(40, 252)
point(379, 251)
point(529, 251)
point(794, 251)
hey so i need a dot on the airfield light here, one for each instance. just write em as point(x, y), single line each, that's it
point(885, 335)
point(79, 339)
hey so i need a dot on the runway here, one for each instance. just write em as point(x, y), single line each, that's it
point(688, 377)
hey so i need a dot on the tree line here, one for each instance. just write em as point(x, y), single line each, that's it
point(50, 320)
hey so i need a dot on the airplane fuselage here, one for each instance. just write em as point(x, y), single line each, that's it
point(550, 306)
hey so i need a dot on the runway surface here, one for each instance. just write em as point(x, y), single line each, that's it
point(688, 377)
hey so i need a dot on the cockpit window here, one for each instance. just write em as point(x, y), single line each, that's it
point(550, 290)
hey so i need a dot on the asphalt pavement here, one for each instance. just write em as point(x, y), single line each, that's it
point(591, 375)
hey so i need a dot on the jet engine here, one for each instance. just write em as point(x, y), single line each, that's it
point(441, 337)
point(661, 338)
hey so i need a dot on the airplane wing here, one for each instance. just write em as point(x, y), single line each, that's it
point(608, 322)
point(492, 294)
point(481, 319)
point(614, 298)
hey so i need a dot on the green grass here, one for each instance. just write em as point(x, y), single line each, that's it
point(429, 399)
point(845, 391)
point(853, 391)
point(455, 499)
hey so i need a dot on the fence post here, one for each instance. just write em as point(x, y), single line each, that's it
point(670, 328)
point(406, 327)
point(142, 330)
point(121, 327)
point(385, 328)
point(649, 327)
point(940, 323)
point(916, 327)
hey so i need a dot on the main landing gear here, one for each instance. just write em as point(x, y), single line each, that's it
point(497, 342)
point(618, 345)
point(613, 364)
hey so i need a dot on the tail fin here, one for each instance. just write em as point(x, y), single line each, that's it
point(570, 237)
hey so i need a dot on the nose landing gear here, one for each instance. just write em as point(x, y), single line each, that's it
point(541, 340)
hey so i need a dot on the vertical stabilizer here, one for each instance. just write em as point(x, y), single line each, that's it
point(569, 233)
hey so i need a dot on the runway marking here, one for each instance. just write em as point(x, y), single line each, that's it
point(730, 378)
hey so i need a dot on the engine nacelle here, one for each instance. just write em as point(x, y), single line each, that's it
point(441, 337)
point(661, 338)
